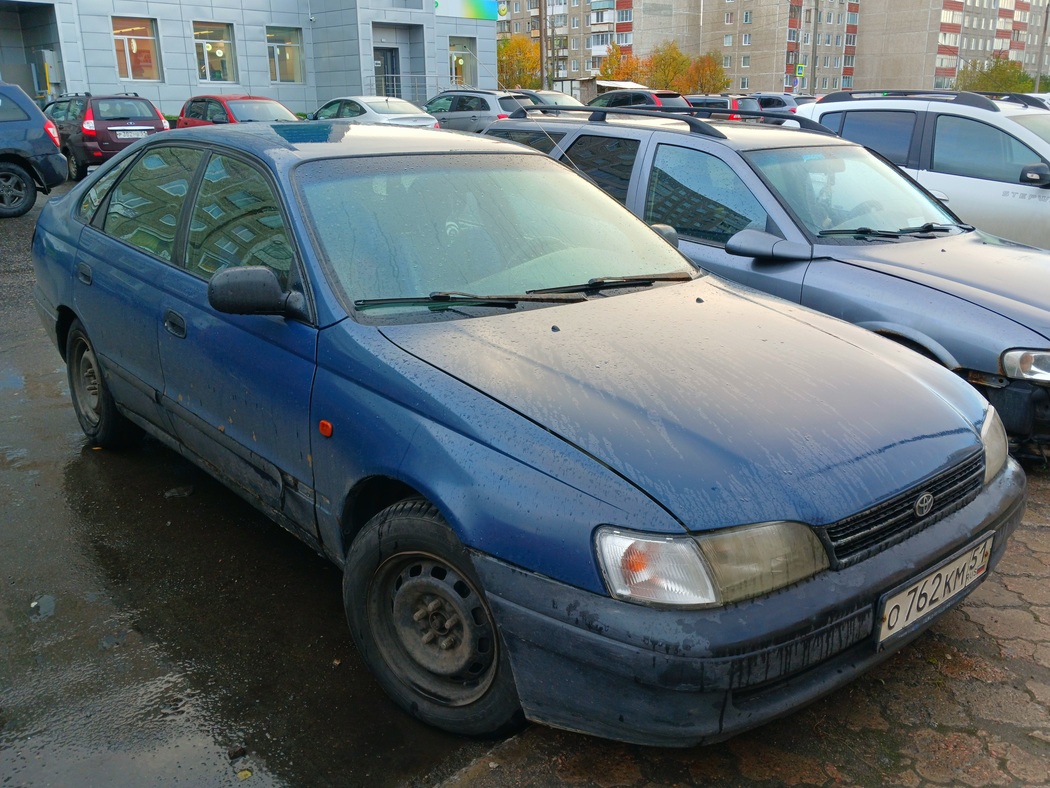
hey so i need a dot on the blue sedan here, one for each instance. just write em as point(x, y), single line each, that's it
point(567, 476)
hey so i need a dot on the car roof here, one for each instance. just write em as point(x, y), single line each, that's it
point(738, 136)
point(282, 145)
point(231, 97)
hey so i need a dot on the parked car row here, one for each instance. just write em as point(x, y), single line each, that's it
point(568, 475)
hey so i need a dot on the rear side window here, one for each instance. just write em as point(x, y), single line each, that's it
point(144, 210)
point(886, 131)
point(540, 140)
point(11, 111)
point(700, 196)
point(962, 146)
point(607, 160)
point(470, 104)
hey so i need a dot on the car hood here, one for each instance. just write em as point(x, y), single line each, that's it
point(724, 409)
point(1009, 279)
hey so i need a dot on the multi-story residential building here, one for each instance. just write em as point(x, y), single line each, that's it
point(300, 52)
point(803, 46)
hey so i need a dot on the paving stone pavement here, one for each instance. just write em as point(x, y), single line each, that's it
point(967, 704)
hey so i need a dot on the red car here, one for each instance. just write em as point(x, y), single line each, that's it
point(205, 110)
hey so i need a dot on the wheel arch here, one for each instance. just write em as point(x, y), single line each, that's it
point(28, 166)
point(66, 316)
point(364, 501)
point(917, 341)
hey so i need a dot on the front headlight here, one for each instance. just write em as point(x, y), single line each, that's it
point(996, 445)
point(1027, 365)
point(709, 569)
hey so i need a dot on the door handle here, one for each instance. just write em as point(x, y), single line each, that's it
point(84, 273)
point(175, 324)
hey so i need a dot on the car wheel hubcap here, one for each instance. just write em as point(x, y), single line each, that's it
point(87, 383)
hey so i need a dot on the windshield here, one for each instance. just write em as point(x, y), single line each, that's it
point(841, 187)
point(484, 224)
point(252, 109)
point(1038, 123)
point(393, 106)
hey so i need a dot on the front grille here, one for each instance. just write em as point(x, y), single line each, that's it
point(861, 535)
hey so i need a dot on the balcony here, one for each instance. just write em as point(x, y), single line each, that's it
point(603, 5)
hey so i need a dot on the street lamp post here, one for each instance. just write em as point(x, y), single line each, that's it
point(1042, 46)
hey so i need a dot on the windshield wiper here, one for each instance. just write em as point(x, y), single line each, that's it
point(606, 282)
point(449, 299)
point(866, 232)
point(934, 227)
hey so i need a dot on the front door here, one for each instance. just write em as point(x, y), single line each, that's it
point(388, 71)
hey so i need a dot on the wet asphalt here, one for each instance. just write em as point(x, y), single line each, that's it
point(155, 630)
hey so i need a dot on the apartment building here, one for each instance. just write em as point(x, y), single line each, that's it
point(802, 46)
point(301, 52)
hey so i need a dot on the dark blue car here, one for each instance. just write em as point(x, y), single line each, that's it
point(567, 476)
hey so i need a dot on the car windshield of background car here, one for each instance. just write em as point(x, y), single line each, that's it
point(392, 106)
point(403, 227)
point(840, 188)
point(1037, 122)
point(244, 111)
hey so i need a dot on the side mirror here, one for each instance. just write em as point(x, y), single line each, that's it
point(252, 290)
point(1035, 174)
point(667, 232)
point(311, 116)
point(766, 246)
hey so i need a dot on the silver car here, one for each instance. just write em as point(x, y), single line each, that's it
point(375, 109)
point(473, 110)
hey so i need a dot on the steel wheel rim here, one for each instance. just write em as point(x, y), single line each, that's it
point(86, 383)
point(434, 629)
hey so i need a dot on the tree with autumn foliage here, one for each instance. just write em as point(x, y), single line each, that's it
point(665, 66)
point(704, 75)
point(619, 65)
point(518, 62)
point(1001, 75)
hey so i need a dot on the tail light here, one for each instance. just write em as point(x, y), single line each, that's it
point(792, 109)
point(656, 99)
point(502, 116)
point(733, 105)
point(163, 120)
point(52, 132)
point(88, 126)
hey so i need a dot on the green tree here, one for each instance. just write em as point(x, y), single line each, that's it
point(665, 66)
point(518, 62)
point(1000, 75)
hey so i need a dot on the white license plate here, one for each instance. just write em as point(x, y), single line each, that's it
point(131, 135)
point(934, 589)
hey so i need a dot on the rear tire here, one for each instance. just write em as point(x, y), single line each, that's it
point(420, 620)
point(17, 190)
point(93, 403)
point(75, 171)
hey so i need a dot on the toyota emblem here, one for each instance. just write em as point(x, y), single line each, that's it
point(924, 504)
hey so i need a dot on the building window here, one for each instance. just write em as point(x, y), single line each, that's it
point(805, 38)
point(625, 15)
point(838, 39)
point(729, 17)
point(727, 41)
point(851, 39)
point(851, 18)
point(827, 39)
point(574, 43)
point(285, 47)
point(745, 61)
point(792, 34)
point(747, 17)
point(745, 82)
point(575, 23)
point(575, 65)
point(214, 44)
point(847, 82)
point(517, 8)
point(849, 60)
point(745, 39)
point(624, 39)
point(135, 41)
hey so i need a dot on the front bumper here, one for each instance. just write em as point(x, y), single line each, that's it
point(661, 677)
point(1025, 410)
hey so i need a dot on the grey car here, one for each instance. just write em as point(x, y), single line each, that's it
point(473, 110)
point(825, 223)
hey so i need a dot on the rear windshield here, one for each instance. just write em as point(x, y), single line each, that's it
point(509, 103)
point(1038, 123)
point(671, 100)
point(123, 109)
point(393, 106)
point(258, 109)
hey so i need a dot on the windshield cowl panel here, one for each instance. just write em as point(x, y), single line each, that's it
point(394, 230)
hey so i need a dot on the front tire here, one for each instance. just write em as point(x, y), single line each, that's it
point(93, 403)
point(17, 190)
point(418, 615)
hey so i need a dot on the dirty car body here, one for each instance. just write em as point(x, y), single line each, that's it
point(567, 476)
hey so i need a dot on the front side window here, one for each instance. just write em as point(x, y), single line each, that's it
point(328, 111)
point(285, 49)
point(608, 161)
point(236, 221)
point(135, 43)
point(700, 196)
point(962, 146)
point(145, 206)
point(214, 44)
